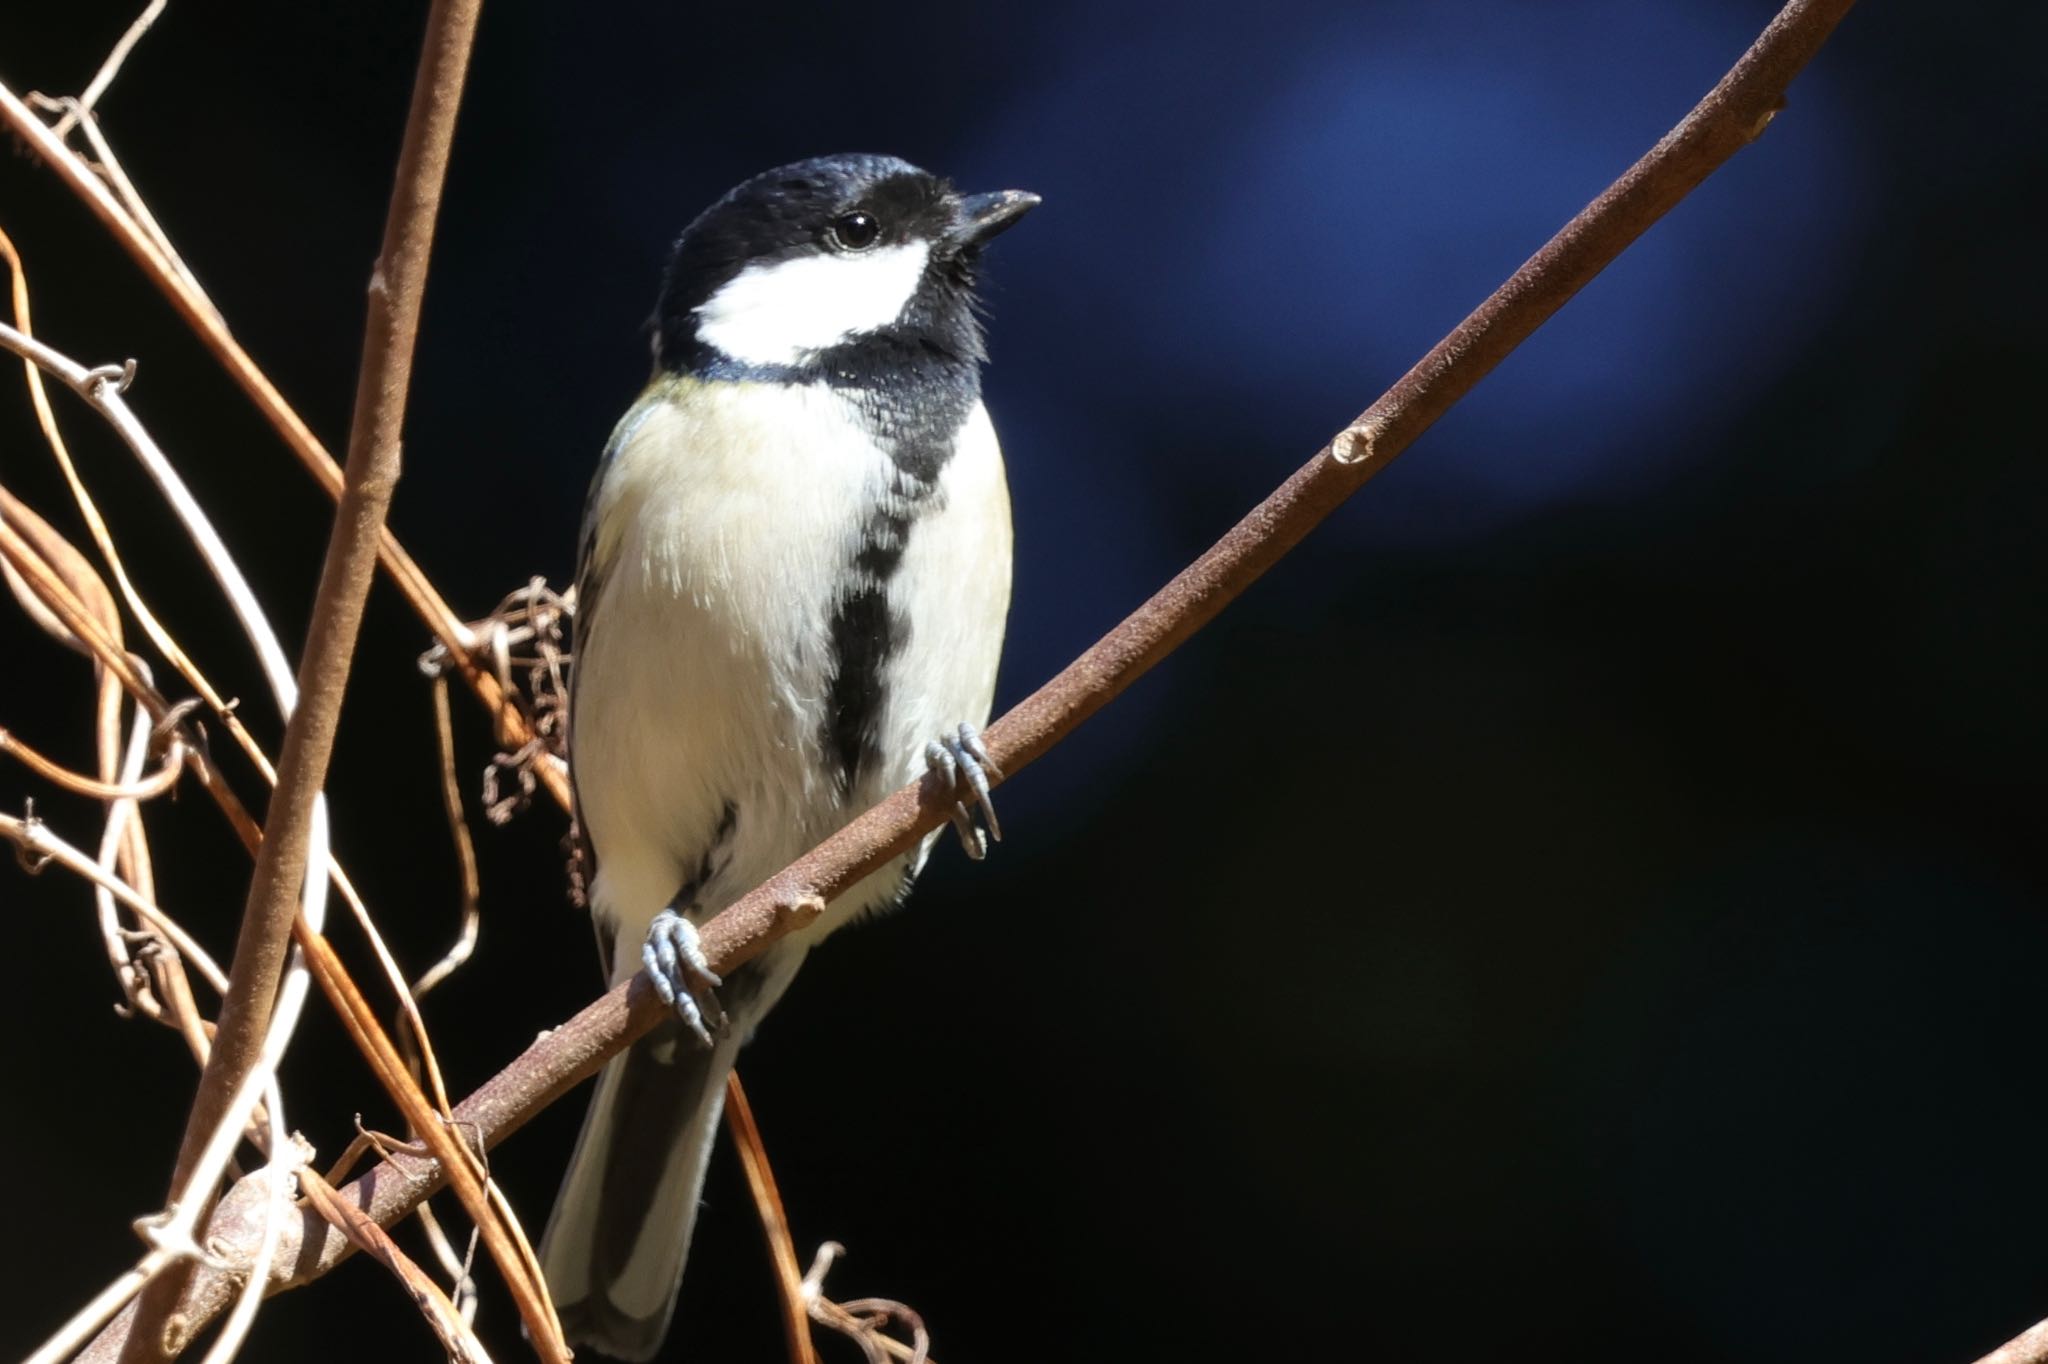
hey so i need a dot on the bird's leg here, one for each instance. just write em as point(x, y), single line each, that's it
point(962, 765)
point(682, 977)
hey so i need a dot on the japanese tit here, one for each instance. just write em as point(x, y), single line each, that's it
point(793, 577)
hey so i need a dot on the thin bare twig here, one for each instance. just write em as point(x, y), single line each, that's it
point(149, 970)
point(95, 388)
point(91, 385)
point(156, 986)
point(151, 246)
point(441, 1314)
point(80, 625)
point(33, 570)
point(171, 1234)
point(34, 837)
point(262, 1199)
point(150, 973)
point(1720, 125)
point(98, 631)
point(102, 162)
point(480, 1199)
point(746, 1135)
point(149, 788)
point(410, 1031)
point(69, 569)
point(112, 65)
point(78, 112)
point(397, 286)
point(525, 631)
point(465, 852)
point(62, 595)
point(864, 1321)
point(460, 1269)
point(158, 264)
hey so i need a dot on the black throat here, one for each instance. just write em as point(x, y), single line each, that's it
point(914, 402)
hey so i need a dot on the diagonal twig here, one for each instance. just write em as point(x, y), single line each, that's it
point(796, 1322)
point(111, 66)
point(2028, 1347)
point(441, 1314)
point(397, 285)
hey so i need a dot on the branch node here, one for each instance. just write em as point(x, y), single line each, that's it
point(821, 1265)
point(1356, 444)
point(120, 376)
point(799, 912)
point(864, 1321)
point(1763, 120)
point(165, 1231)
point(29, 854)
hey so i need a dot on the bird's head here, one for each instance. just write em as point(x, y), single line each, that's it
point(825, 253)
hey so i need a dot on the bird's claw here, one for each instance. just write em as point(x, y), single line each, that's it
point(675, 962)
point(961, 763)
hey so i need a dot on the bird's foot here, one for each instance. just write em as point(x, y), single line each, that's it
point(961, 763)
point(682, 977)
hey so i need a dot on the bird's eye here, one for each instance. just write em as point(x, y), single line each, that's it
point(855, 231)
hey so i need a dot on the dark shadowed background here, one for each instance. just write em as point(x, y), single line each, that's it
point(1590, 901)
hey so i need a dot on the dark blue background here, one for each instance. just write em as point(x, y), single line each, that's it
point(1589, 901)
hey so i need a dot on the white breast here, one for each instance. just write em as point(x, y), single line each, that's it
point(727, 520)
point(953, 587)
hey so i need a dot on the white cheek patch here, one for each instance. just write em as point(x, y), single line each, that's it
point(773, 314)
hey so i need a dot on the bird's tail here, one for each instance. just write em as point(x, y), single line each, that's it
point(614, 1249)
point(620, 1231)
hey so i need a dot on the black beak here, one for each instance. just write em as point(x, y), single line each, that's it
point(982, 216)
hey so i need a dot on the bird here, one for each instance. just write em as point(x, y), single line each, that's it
point(792, 586)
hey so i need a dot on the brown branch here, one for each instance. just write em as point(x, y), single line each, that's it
point(54, 583)
point(507, 1245)
point(471, 921)
point(1726, 120)
point(397, 284)
point(2028, 1347)
point(441, 1314)
point(148, 788)
point(48, 584)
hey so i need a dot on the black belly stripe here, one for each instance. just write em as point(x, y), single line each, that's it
point(913, 390)
point(863, 635)
point(914, 403)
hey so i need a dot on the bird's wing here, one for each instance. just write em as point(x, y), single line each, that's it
point(595, 552)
